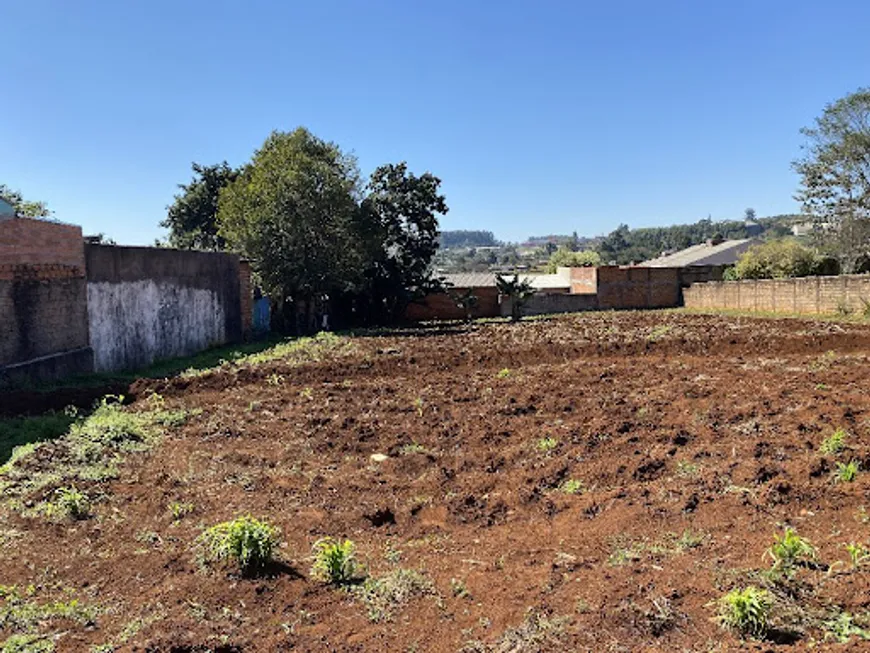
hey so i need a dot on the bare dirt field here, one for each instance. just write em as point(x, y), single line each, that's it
point(588, 483)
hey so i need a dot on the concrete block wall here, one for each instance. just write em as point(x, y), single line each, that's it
point(809, 295)
point(146, 304)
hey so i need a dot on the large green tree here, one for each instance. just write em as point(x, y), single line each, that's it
point(293, 211)
point(192, 217)
point(398, 221)
point(24, 208)
point(835, 177)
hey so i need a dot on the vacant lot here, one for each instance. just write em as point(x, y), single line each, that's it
point(590, 483)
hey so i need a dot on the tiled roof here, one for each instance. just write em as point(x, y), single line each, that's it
point(487, 280)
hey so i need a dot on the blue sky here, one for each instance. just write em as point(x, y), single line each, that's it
point(540, 116)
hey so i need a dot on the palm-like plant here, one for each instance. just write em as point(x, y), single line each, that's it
point(517, 290)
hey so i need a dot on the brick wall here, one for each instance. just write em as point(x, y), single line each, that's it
point(809, 295)
point(43, 299)
point(635, 287)
point(24, 241)
point(442, 307)
point(246, 293)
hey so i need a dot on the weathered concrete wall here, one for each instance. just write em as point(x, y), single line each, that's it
point(544, 304)
point(810, 295)
point(147, 304)
point(43, 312)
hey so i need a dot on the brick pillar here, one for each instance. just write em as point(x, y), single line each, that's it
point(247, 299)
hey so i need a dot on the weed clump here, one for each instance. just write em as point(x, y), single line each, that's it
point(334, 561)
point(846, 472)
point(834, 443)
point(248, 542)
point(745, 611)
point(788, 550)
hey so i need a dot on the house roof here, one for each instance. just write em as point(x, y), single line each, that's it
point(487, 280)
point(725, 253)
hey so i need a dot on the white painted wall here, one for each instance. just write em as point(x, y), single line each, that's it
point(134, 323)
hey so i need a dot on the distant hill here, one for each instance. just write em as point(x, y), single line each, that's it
point(467, 238)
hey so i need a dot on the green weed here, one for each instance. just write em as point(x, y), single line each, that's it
point(846, 472)
point(459, 588)
point(334, 561)
point(546, 445)
point(503, 373)
point(834, 443)
point(788, 550)
point(571, 486)
point(687, 469)
point(745, 611)
point(28, 644)
point(859, 555)
point(70, 502)
point(179, 510)
point(248, 542)
point(843, 627)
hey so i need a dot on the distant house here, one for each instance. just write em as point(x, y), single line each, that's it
point(6, 210)
point(711, 253)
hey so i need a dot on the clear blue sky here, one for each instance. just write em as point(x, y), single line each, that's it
point(540, 116)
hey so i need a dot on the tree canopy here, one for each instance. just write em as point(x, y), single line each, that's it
point(24, 208)
point(777, 259)
point(192, 217)
point(293, 211)
point(835, 177)
point(565, 257)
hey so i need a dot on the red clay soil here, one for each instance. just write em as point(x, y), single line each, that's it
point(695, 438)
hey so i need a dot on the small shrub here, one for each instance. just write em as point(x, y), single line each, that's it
point(846, 472)
point(844, 308)
point(788, 550)
point(70, 502)
point(503, 373)
point(834, 443)
point(334, 561)
point(745, 611)
point(248, 542)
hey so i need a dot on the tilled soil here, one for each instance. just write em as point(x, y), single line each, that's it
point(588, 483)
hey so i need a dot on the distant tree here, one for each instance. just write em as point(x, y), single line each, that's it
point(192, 217)
point(835, 178)
point(467, 238)
point(24, 208)
point(517, 291)
point(564, 257)
point(293, 211)
point(399, 224)
point(776, 259)
point(749, 215)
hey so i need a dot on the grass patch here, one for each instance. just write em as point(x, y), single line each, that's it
point(90, 452)
point(385, 596)
point(546, 445)
point(18, 431)
point(788, 550)
point(22, 614)
point(846, 472)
